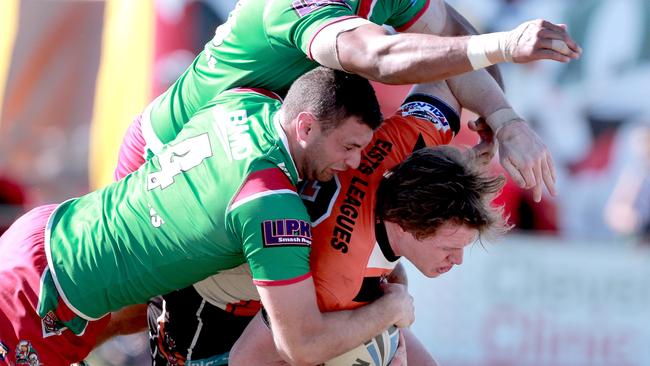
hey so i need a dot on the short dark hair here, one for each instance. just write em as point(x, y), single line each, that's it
point(437, 185)
point(332, 96)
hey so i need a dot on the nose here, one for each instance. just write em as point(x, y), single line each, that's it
point(456, 257)
point(353, 159)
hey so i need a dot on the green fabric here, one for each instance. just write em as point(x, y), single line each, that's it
point(264, 44)
point(171, 223)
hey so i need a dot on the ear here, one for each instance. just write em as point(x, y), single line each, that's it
point(305, 124)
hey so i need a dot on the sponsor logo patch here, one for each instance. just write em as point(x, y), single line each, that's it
point(426, 111)
point(286, 232)
point(26, 355)
point(304, 7)
point(4, 350)
point(51, 325)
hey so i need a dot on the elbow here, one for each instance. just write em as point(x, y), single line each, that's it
point(370, 58)
point(376, 66)
point(362, 61)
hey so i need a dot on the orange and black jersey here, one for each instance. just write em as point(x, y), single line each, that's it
point(350, 253)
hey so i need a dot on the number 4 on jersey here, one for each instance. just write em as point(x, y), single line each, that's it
point(179, 158)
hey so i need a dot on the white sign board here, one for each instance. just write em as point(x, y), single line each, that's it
point(538, 302)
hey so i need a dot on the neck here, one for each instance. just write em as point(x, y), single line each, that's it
point(292, 141)
point(392, 237)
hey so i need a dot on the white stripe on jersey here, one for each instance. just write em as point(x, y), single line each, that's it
point(258, 195)
point(378, 260)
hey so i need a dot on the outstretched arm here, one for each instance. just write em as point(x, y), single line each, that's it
point(369, 50)
point(521, 151)
point(442, 19)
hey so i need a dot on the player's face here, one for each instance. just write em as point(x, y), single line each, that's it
point(336, 150)
point(437, 254)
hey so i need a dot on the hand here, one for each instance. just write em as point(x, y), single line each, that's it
point(400, 359)
point(539, 40)
point(526, 159)
point(398, 275)
point(486, 148)
point(397, 298)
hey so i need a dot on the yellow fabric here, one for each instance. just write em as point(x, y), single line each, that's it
point(123, 83)
point(8, 27)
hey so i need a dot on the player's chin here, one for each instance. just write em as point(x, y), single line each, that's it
point(326, 175)
point(435, 272)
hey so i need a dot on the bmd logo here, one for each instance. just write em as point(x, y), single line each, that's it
point(234, 133)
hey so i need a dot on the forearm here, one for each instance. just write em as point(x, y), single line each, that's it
point(369, 50)
point(129, 320)
point(332, 334)
point(458, 25)
point(403, 58)
point(478, 92)
point(304, 335)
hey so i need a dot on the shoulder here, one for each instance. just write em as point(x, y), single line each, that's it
point(245, 97)
point(265, 182)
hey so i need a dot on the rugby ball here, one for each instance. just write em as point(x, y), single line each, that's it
point(378, 351)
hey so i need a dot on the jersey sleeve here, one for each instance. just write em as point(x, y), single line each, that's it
point(406, 12)
point(422, 120)
point(441, 119)
point(295, 23)
point(272, 223)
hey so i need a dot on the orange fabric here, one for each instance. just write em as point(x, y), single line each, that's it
point(339, 259)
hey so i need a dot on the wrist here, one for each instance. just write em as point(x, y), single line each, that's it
point(502, 118)
point(488, 49)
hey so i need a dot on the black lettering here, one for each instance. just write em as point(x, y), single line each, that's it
point(365, 169)
point(356, 180)
point(346, 222)
point(383, 144)
point(350, 211)
point(344, 235)
point(354, 191)
point(339, 245)
point(376, 154)
point(352, 201)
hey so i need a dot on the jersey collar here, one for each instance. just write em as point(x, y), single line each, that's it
point(285, 143)
point(382, 241)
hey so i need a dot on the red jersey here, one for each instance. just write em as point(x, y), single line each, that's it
point(350, 253)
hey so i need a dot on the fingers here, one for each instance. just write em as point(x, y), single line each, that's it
point(561, 31)
point(533, 176)
point(513, 172)
point(551, 167)
point(548, 174)
point(478, 124)
point(526, 159)
point(472, 125)
point(482, 152)
point(554, 43)
point(560, 46)
point(548, 54)
point(560, 39)
point(481, 127)
point(537, 189)
point(540, 39)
